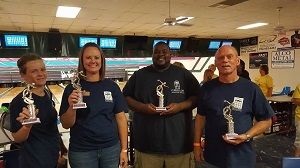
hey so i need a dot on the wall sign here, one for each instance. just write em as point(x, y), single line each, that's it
point(283, 59)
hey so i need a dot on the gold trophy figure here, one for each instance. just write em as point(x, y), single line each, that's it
point(228, 116)
point(75, 80)
point(27, 97)
point(160, 94)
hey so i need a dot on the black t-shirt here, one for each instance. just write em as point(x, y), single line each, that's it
point(171, 134)
point(41, 149)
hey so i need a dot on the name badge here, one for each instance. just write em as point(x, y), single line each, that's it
point(108, 96)
point(86, 93)
point(238, 103)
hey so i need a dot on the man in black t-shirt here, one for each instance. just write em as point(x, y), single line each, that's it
point(162, 138)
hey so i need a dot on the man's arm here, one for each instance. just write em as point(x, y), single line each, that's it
point(296, 101)
point(269, 92)
point(258, 128)
point(140, 107)
point(172, 108)
point(199, 127)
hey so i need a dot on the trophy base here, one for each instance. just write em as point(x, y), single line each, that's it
point(79, 106)
point(231, 135)
point(160, 109)
point(31, 121)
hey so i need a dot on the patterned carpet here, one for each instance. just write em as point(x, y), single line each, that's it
point(271, 148)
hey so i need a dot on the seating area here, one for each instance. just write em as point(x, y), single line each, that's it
point(290, 162)
point(285, 91)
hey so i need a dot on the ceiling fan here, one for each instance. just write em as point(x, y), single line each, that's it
point(171, 21)
point(279, 29)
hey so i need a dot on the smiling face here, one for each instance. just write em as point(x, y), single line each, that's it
point(227, 61)
point(91, 60)
point(35, 72)
point(161, 56)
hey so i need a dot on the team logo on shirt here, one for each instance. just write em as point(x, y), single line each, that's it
point(177, 88)
point(86, 93)
point(108, 96)
point(237, 103)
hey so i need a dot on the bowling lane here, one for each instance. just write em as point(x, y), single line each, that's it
point(2, 90)
point(7, 97)
point(57, 91)
point(121, 84)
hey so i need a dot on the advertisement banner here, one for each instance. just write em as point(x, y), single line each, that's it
point(257, 59)
point(283, 59)
point(266, 43)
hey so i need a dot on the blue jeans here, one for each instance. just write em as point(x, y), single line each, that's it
point(101, 158)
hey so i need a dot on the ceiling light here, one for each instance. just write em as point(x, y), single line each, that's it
point(251, 26)
point(67, 12)
point(184, 18)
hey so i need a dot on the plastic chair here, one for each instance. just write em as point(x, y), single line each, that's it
point(290, 162)
point(286, 90)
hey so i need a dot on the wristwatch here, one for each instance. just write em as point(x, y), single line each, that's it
point(248, 137)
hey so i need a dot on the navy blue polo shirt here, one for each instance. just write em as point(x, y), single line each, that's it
point(251, 103)
point(95, 126)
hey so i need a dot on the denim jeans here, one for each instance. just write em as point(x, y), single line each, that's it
point(101, 158)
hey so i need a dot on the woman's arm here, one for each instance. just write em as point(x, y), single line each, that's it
point(122, 129)
point(68, 118)
point(23, 133)
point(123, 135)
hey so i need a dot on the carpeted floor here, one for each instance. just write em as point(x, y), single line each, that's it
point(271, 148)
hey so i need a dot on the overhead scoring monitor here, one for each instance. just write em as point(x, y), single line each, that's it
point(214, 45)
point(84, 40)
point(16, 40)
point(175, 44)
point(108, 43)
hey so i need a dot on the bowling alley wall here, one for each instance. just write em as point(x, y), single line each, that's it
point(125, 54)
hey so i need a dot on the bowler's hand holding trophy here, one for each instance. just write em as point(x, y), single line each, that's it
point(76, 84)
point(160, 94)
point(27, 97)
point(228, 116)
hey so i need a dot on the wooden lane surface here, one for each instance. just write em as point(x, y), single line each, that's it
point(2, 90)
point(121, 84)
point(7, 98)
point(57, 91)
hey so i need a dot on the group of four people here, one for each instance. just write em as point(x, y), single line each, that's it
point(167, 138)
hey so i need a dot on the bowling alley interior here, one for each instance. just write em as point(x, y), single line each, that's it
point(127, 30)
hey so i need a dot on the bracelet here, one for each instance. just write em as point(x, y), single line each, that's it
point(196, 144)
point(248, 138)
point(124, 150)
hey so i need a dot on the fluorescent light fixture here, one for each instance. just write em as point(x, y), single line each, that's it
point(184, 18)
point(251, 26)
point(67, 12)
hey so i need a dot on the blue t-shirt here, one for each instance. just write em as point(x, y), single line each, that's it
point(95, 126)
point(249, 103)
point(167, 134)
point(41, 149)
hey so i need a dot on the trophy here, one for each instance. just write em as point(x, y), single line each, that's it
point(228, 116)
point(160, 94)
point(27, 97)
point(75, 80)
